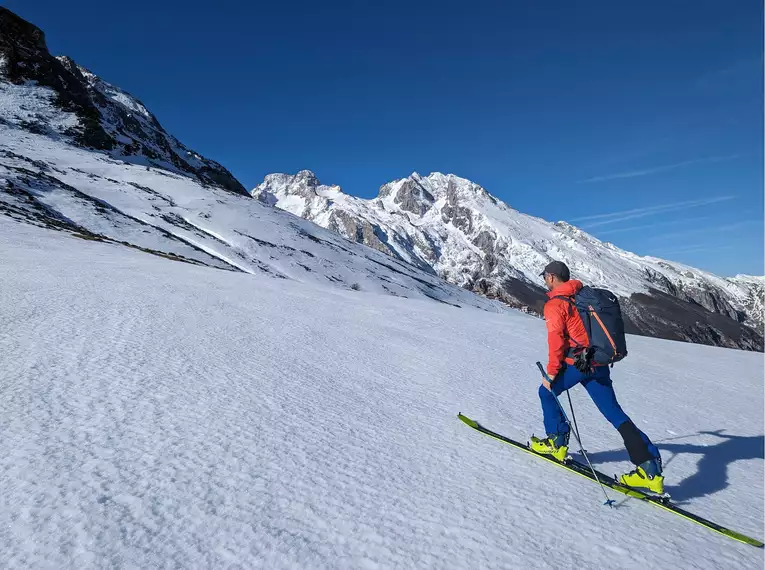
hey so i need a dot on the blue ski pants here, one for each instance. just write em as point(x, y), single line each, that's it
point(600, 388)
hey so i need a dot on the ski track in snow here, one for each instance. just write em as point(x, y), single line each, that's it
point(159, 415)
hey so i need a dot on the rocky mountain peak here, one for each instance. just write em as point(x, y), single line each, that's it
point(411, 196)
point(308, 178)
point(304, 184)
point(452, 187)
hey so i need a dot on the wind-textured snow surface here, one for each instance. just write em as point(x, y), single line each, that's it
point(157, 414)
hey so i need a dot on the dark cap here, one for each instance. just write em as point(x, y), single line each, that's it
point(557, 268)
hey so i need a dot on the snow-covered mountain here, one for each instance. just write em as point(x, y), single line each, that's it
point(86, 110)
point(80, 155)
point(455, 228)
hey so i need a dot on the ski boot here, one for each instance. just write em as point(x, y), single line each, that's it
point(646, 476)
point(554, 445)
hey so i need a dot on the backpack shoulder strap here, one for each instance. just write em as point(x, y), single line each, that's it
point(569, 300)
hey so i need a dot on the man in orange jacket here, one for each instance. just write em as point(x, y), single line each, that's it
point(566, 338)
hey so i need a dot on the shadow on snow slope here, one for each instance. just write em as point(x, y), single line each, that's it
point(711, 474)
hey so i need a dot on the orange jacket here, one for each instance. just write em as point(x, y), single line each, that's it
point(564, 326)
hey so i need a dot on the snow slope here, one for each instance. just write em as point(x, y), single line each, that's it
point(157, 414)
point(45, 181)
point(468, 237)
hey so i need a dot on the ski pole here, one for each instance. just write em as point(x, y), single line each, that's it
point(573, 415)
point(608, 502)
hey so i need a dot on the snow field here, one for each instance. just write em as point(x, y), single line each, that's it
point(156, 414)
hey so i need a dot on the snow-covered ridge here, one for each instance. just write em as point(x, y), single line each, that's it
point(114, 93)
point(468, 237)
point(97, 114)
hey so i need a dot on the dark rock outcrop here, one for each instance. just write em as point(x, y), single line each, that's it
point(661, 315)
point(454, 213)
point(412, 197)
point(26, 58)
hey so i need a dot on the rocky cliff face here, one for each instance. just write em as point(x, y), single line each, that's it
point(456, 229)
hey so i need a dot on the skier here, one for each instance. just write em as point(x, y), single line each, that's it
point(568, 340)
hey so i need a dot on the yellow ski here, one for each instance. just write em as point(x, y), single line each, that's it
point(612, 483)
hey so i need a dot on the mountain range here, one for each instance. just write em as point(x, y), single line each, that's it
point(80, 155)
point(455, 229)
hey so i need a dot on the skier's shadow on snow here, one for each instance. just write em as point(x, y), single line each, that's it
point(712, 469)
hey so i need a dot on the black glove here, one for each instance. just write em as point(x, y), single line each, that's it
point(583, 360)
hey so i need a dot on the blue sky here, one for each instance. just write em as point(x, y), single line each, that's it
point(641, 122)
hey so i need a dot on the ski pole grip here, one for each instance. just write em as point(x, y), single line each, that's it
point(542, 370)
